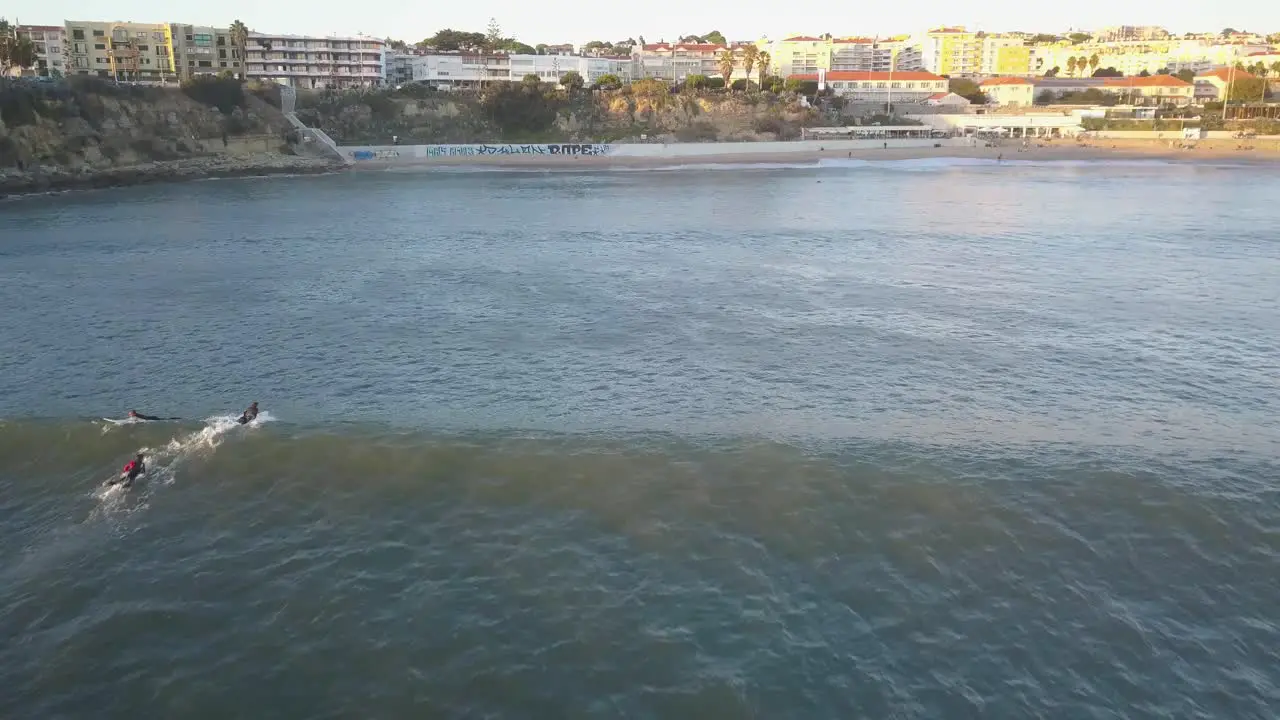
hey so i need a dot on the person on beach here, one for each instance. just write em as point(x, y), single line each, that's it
point(250, 414)
point(130, 471)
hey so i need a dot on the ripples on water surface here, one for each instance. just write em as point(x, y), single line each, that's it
point(872, 441)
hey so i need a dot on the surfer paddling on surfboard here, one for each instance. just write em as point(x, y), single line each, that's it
point(135, 415)
point(130, 472)
point(250, 414)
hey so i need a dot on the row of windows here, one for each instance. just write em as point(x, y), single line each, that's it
point(882, 85)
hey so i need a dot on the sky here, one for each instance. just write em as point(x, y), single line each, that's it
point(559, 21)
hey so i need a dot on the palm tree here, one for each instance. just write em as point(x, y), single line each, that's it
point(1071, 66)
point(239, 41)
point(765, 60)
point(725, 63)
point(750, 56)
point(1275, 67)
point(1094, 61)
point(1082, 63)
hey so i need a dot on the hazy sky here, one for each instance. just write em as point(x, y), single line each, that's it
point(554, 21)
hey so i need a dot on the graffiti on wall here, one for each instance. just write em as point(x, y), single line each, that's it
point(475, 150)
point(374, 154)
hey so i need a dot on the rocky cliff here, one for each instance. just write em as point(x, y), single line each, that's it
point(88, 132)
point(522, 113)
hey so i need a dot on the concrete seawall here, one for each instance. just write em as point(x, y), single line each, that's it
point(383, 155)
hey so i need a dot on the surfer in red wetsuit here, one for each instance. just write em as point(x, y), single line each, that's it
point(130, 472)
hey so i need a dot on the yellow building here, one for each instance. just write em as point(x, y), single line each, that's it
point(137, 52)
point(952, 51)
point(1013, 60)
point(148, 52)
point(799, 55)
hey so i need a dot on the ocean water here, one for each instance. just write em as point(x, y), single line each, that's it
point(935, 439)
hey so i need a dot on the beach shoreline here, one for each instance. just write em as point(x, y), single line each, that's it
point(1204, 152)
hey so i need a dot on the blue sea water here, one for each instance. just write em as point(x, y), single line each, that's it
point(909, 439)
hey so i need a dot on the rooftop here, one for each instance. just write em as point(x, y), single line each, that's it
point(1227, 75)
point(1006, 81)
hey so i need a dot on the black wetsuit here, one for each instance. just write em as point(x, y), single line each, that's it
point(249, 416)
point(140, 416)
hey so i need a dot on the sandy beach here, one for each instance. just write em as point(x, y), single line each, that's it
point(1210, 151)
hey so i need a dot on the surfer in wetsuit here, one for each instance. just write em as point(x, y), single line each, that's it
point(135, 415)
point(130, 472)
point(250, 414)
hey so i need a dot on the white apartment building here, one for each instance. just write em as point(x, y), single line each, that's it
point(316, 62)
point(550, 68)
point(463, 70)
point(905, 86)
point(50, 42)
point(675, 62)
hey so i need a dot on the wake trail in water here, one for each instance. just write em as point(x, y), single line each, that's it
point(162, 464)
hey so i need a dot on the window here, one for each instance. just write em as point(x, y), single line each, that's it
point(222, 41)
point(191, 63)
point(77, 34)
point(144, 48)
point(206, 63)
point(101, 61)
point(98, 33)
point(222, 54)
point(203, 39)
point(99, 46)
point(222, 64)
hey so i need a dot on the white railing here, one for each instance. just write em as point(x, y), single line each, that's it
point(289, 106)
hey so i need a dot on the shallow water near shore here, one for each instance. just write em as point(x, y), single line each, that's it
point(959, 441)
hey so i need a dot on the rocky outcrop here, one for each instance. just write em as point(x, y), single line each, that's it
point(91, 133)
point(416, 115)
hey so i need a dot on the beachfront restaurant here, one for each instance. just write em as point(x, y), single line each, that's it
point(868, 132)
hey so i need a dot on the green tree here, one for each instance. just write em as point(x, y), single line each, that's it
point(493, 35)
point(696, 82)
point(572, 81)
point(239, 42)
point(773, 84)
point(609, 81)
point(1144, 73)
point(724, 62)
point(1052, 72)
point(764, 60)
point(1245, 89)
point(1094, 61)
point(750, 56)
point(1275, 67)
point(1045, 97)
point(531, 80)
point(541, 48)
point(448, 40)
point(1082, 64)
point(1071, 66)
point(1186, 75)
point(14, 51)
point(1078, 37)
point(714, 37)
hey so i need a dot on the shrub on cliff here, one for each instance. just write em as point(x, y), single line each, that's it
point(226, 94)
point(520, 109)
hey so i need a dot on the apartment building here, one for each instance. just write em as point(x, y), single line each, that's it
point(550, 68)
point(952, 51)
point(1005, 55)
point(202, 50)
point(1136, 57)
point(905, 86)
point(1122, 33)
point(50, 42)
point(455, 70)
point(126, 51)
point(316, 62)
point(676, 61)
